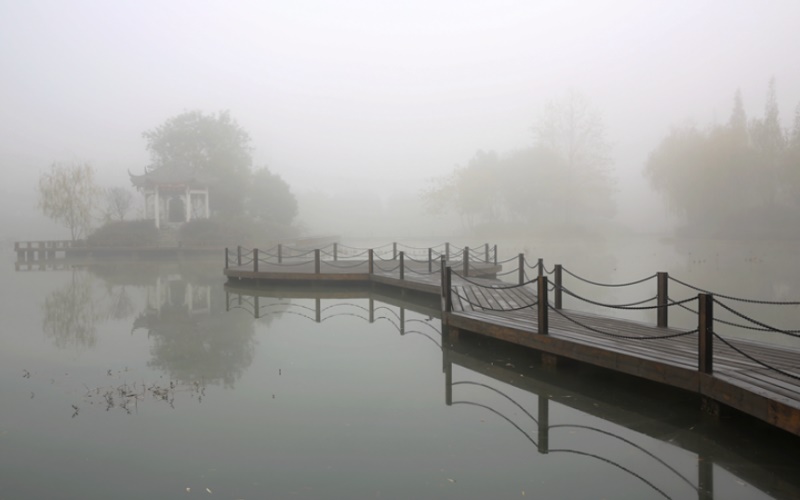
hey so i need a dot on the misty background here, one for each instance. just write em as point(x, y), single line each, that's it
point(360, 104)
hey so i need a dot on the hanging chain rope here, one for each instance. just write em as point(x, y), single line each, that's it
point(608, 285)
point(618, 336)
point(738, 299)
point(493, 287)
point(487, 308)
point(630, 306)
point(766, 327)
point(754, 360)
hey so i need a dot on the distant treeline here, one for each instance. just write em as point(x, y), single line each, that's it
point(740, 179)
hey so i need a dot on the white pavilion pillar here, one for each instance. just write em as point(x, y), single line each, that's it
point(157, 208)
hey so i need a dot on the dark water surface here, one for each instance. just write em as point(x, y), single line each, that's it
point(134, 381)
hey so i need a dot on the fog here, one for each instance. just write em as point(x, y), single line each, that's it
point(368, 101)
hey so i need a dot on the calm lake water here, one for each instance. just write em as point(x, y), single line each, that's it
point(151, 380)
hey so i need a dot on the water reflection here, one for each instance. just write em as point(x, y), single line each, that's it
point(70, 313)
point(191, 340)
point(655, 436)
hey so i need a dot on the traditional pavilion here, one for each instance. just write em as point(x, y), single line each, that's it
point(173, 195)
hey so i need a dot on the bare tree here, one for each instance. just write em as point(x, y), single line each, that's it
point(118, 203)
point(68, 195)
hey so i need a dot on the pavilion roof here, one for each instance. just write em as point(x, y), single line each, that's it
point(172, 175)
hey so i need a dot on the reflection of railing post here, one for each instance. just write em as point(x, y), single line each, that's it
point(705, 477)
point(316, 261)
point(394, 251)
point(402, 265)
point(257, 307)
point(280, 253)
point(318, 308)
point(662, 299)
point(226, 257)
point(255, 260)
point(335, 251)
point(540, 266)
point(371, 310)
point(543, 324)
point(705, 330)
point(557, 278)
point(521, 268)
point(402, 321)
point(448, 376)
point(239, 255)
point(227, 301)
point(544, 424)
point(466, 261)
point(370, 266)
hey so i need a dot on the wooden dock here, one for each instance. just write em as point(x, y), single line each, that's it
point(758, 379)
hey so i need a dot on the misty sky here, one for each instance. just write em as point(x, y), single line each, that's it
point(334, 92)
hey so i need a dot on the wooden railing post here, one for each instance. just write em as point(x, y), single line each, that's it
point(466, 261)
point(495, 254)
point(316, 261)
point(402, 265)
point(255, 260)
point(226, 257)
point(521, 268)
point(239, 255)
point(705, 330)
point(662, 299)
point(540, 266)
point(430, 260)
point(448, 297)
point(280, 253)
point(543, 323)
point(370, 266)
point(335, 251)
point(442, 265)
point(447, 251)
point(394, 251)
point(557, 278)
point(486, 252)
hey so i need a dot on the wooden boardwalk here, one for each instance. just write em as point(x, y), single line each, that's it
point(755, 378)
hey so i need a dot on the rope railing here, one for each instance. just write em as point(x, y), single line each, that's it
point(608, 285)
point(738, 299)
point(389, 270)
point(343, 264)
point(754, 359)
point(731, 323)
point(764, 326)
point(493, 286)
point(619, 336)
point(487, 308)
point(629, 306)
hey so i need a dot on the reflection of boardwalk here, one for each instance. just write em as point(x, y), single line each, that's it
point(757, 378)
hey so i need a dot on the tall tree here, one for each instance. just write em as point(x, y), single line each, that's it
point(769, 142)
point(574, 131)
point(269, 199)
point(68, 195)
point(212, 144)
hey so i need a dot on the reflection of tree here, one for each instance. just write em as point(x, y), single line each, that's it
point(206, 346)
point(69, 315)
